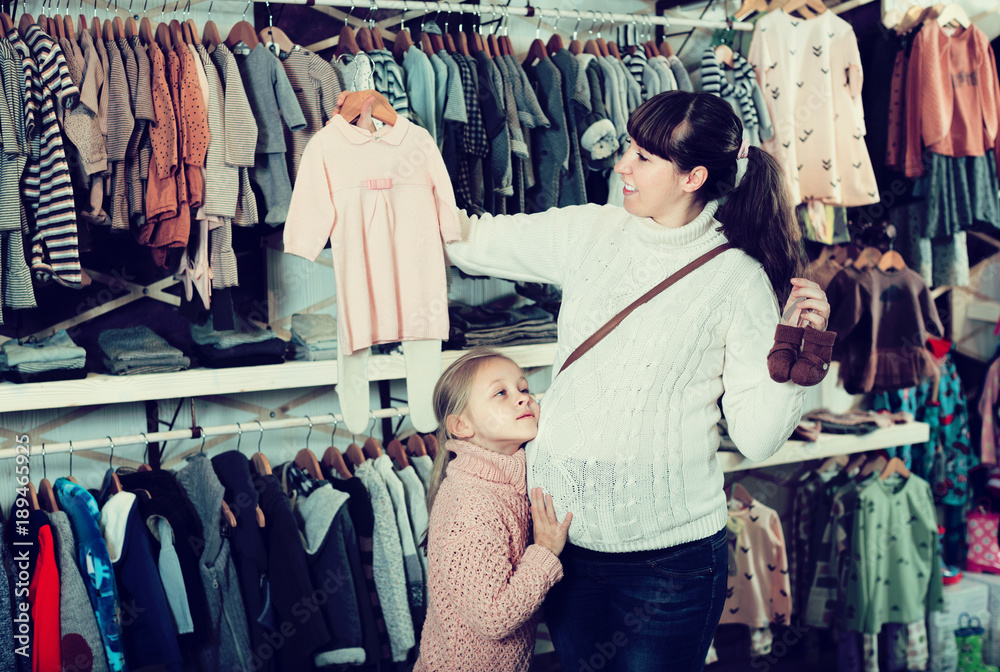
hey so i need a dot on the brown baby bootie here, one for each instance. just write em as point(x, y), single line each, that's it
point(814, 362)
point(784, 352)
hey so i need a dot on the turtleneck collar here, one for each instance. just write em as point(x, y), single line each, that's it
point(650, 232)
point(485, 464)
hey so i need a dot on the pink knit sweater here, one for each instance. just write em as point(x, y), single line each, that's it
point(485, 582)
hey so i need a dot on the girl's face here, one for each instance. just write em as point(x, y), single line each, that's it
point(653, 186)
point(501, 416)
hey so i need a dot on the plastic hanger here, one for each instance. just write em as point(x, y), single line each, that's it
point(895, 466)
point(415, 446)
point(381, 109)
point(807, 8)
point(372, 449)
point(431, 444)
point(953, 13)
point(751, 7)
point(396, 451)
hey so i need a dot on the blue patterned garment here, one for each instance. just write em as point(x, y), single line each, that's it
point(946, 459)
point(95, 566)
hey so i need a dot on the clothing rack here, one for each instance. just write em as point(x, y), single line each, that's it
point(240, 428)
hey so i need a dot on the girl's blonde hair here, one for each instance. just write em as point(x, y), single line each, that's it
point(451, 396)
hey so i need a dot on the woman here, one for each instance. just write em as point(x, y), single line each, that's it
point(627, 438)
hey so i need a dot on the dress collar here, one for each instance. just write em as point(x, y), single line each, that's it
point(358, 136)
point(489, 466)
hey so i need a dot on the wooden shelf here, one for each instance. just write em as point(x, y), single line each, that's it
point(829, 445)
point(107, 389)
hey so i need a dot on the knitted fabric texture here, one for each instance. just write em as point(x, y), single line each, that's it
point(135, 343)
point(627, 439)
point(486, 582)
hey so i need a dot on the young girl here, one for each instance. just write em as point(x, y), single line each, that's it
point(486, 581)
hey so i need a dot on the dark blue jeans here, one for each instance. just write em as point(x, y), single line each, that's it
point(644, 611)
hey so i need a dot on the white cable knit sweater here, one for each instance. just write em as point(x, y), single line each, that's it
point(627, 436)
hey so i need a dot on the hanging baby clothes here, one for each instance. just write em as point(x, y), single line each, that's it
point(317, 87)
point(759, 591)
point(241, 137)
point(810, 72)
point(272, 101)
point(352, 179)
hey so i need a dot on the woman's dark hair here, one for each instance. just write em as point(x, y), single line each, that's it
point(701, 129)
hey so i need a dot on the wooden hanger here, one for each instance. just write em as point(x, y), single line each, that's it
point(144, 467)
point(108, 31)
point(536, 53)
point(575, 47)
point(449, 43)
point(47, 497)
point(913, 17)
point(373, 449)
point(402, 44)
point(306, 460)
point(415, 446)
point(506, 46)
point(555, 44)
point(6, 22)
point(381, 109)
point(431, 443)
point(377, 39)
point(278, 37)
point(227, 515)
point(192, 29)
point(873, 465)
point(261, 464)
point(493, 46)
point(163, 37)
point(210, 36)
point(56, 26)
point(462, 43)
point(334, 460)
point(131, 27)
point(364, 38)
point(32, 497)
point(437, 44)
point(650, 49)
point(665, 49)
point(146, 31)
point(891, 261)
point(742, 495)
point(260, 517)
point(241, 32)
point(868, 258)
point(346, 43)
point(24, 23)
point(856, 463)
point(590, 47)
point(475, 46)
point(396, 451)
point(807, 8)
point(117, 27)
point(425, 43)
point(176, 34)
point(895, 466)
point(115, 486)
point(750, 7)
point(840, 460)
point(355, 455)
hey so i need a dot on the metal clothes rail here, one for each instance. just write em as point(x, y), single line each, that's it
point(251, 427)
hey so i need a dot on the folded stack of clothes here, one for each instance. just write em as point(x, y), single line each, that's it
point(857, 421)
point(138, 350)
point(37, 360)
point(224, 349)
point(473, 326)
point(314, 337)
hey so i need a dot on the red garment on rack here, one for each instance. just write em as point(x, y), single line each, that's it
point(43, 595)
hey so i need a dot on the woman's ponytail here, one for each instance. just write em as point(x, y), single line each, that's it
point(757, 217)
point(701, 129)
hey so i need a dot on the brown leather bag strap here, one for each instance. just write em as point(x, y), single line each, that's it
point(617, 319)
